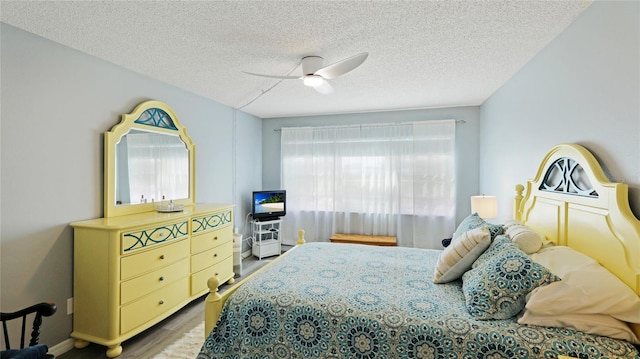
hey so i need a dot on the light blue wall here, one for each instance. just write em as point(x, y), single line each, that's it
point(248, 168)
point(466, 143)
point(56, 104)
point(584, 87)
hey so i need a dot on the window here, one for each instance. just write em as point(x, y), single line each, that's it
point(370, 179)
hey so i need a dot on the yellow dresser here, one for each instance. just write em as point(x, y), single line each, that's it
point(132, 271)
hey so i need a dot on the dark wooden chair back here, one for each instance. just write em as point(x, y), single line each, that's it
point(40, 310)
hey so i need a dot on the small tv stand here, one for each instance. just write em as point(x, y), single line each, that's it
point(266, 238)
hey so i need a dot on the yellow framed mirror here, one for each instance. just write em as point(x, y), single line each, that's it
point(149, 161)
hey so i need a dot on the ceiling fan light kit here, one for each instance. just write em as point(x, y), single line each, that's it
point(312, 80)
point(314, 75)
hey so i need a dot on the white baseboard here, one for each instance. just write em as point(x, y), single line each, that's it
point(246, 254)
point(62, 348)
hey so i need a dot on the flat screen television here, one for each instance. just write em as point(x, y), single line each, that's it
point(268, 205)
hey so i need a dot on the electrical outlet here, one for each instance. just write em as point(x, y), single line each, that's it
point(70, 306)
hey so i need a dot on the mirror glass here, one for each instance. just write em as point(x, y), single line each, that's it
point(149, 167)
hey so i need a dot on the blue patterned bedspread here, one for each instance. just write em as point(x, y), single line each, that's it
point(326, 300)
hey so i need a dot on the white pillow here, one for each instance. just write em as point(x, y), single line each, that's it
point(458, 257)
point(598, 324)
point(586, 288)
point(511, 222)
point(527, 239)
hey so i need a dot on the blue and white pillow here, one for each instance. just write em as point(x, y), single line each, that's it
point(474, 221)
point(497, 285)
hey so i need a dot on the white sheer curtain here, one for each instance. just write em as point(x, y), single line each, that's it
point(388, 179)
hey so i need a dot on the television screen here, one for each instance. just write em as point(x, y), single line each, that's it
point(269, 205)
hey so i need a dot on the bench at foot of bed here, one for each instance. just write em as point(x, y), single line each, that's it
point(364, 239)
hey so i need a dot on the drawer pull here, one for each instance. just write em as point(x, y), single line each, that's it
point(215, 254)
point(161, 279)
point(162, 256)
point(217, 274)
point(215, 238)
point(161, 302)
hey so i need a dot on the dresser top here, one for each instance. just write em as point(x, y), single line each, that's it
point(152, 217)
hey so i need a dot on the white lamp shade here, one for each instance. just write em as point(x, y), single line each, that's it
point(485, 206)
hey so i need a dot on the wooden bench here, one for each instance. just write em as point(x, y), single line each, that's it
point(364, 239)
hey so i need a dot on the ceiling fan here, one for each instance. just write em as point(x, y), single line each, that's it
point(316, 76)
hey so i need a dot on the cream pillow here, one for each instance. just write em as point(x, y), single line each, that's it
point(598, 324)
point(511, 222)
point(586, 288)
point(458, 257)
point(527, 239)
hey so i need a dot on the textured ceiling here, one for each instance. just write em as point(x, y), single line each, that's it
point(422, 54)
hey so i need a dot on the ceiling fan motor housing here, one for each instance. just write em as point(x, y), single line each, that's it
point(311, 64)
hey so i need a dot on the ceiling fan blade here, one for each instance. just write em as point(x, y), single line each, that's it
point(324, 88)
point(342, 67)
point(274, 76)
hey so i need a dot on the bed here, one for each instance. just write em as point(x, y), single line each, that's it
point(328, 300)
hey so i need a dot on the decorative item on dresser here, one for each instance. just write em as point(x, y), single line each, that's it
point(154, 250)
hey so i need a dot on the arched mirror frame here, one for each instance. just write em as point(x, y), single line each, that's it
point(112, 138)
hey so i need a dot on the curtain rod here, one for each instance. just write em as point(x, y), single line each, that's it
point(380, 124)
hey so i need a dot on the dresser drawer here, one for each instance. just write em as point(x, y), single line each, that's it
point(211, 221)
point(149, 237)
point(139, 286)
point(210, 257)
point(211, 239)
point(153, 259)
point(224, 271)
point(153, 305)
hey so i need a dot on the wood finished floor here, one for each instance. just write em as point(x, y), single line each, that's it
point(152, 341)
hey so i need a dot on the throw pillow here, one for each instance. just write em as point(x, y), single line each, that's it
point(474, 221)
point(37, 351)
point(458, 257)
point(527, 239)
point(497, 288)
